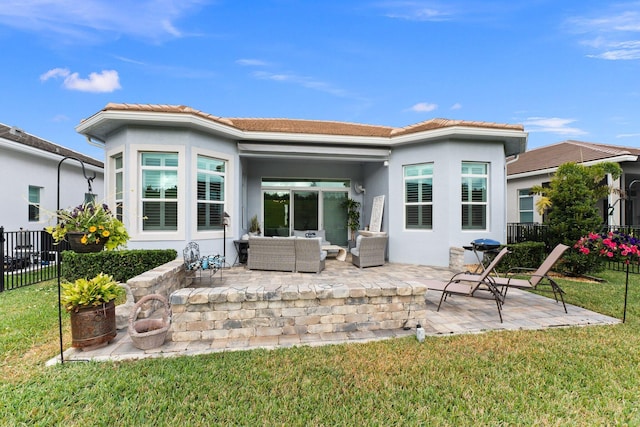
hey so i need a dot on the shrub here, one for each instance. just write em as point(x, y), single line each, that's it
point(526, 255)
point(122, 265)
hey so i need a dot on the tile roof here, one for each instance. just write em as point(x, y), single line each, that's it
point(311, 126)
point(552, 156)
point(21, 137)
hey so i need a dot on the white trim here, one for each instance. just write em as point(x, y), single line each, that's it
point(135, 197)
point(229, 189)
point(314, 151)
point(404, 196)
point(487, 202)
point(106, 121)
point(109, 185)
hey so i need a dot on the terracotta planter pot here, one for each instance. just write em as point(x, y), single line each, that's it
point(93, 326)
point(76, 245)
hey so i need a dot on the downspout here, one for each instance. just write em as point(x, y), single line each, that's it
point(99, 144)
point(506, 208)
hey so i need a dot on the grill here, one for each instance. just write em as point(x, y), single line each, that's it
point(483, 245)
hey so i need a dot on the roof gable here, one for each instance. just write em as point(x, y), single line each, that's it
point(552, 156)
point(20, 137)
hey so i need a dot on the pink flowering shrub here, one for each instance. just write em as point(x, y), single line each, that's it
point(612, 245)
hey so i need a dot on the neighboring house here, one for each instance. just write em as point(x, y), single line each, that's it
point(176, 171)
point(536, 167)
point(29, 176)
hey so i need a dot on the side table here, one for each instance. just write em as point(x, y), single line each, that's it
point(242, 251)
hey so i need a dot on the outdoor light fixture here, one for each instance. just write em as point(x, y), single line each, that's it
point(225, 222)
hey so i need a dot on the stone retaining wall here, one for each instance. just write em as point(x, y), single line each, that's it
point(244, 312)
point(162, 280)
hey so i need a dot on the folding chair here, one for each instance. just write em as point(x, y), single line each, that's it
point(539, 277)
point(467, 284)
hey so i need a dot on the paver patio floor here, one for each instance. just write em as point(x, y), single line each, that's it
point(458, 315)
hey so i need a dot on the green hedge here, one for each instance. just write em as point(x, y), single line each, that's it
point(122, 265)
point(526, 255)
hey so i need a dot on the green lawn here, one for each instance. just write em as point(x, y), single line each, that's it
point(569, 376)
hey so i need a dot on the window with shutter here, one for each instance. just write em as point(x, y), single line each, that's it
point(159, 191)
point(211, 193)
point(474, 195)
point(418, 196)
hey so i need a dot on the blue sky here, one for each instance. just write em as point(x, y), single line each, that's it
point(564, 69)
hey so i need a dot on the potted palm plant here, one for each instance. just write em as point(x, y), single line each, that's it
point(353, 216)
point(91, 304)
point(254, 226)
point(89, 227)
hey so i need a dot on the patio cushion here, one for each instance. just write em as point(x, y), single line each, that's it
point(309, 234)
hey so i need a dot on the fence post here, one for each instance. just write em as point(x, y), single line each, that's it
point(2, 256)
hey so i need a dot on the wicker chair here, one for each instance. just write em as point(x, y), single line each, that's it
point(309, 255)
point(369, 251)
point(272, 253)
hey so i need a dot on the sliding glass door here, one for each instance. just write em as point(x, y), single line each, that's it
point(276, 213)
point(306, 205)
point(305, 210)
point(334, 216)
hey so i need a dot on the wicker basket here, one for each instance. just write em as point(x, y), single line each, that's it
point(149, 333)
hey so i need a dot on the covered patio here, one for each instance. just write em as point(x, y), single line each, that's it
point(458, 315)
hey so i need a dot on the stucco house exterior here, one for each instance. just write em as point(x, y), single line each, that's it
point(29, 176)
point(537, 166)
point(176, 171)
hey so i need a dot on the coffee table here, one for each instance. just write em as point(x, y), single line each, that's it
point(342, 252)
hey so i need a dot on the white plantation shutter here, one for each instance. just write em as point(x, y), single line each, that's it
point(160, 191)
point(474, 195)
point(418, 190)
point(210, 193)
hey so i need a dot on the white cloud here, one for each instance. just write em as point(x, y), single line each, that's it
point(456, 106)
point(415, 11)
point(105, 81)
point(615, 55)
point(422, 107)
point(252, 62)
point(614, 32)
point(91, 20)
point(55, 72)
point(628, 135)
point(303, 81)
point(552, 125)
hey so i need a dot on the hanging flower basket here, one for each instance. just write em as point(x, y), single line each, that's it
point(149, 333)
point(76, 245)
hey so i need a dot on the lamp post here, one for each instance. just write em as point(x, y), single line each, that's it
point(225, 223)
point(87, 196)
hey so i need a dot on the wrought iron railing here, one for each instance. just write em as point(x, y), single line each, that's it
point(28, 257)
point(526, 232)
point(532, 232)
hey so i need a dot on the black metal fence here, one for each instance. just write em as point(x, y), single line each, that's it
point(527, 232)
point(28, 257)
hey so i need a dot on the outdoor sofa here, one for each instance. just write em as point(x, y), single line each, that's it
point(286, 254)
